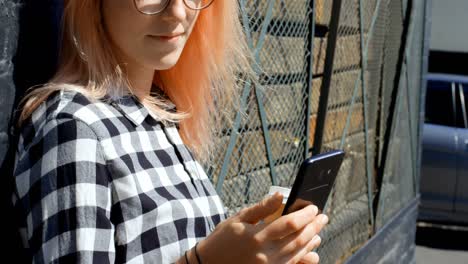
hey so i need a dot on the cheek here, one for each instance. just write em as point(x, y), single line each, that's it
point(121, 24)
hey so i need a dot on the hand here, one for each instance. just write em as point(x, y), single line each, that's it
point(288, 239)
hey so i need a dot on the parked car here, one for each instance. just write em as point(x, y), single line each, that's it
point(444, 172)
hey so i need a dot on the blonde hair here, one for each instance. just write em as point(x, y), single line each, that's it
point(204, 95)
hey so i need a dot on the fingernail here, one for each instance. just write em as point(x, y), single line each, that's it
point(324, 219)
point(315, 209)
point(315, 239)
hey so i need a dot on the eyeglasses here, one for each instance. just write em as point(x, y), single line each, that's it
point(152, 7)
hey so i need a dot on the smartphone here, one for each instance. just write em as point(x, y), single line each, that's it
point(314, 181)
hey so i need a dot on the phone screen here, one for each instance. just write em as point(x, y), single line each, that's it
point(314, 181)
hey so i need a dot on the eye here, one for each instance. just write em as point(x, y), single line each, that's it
point(198, 4)
point(150, 6)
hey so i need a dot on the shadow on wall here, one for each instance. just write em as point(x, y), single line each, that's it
point(38, 43)
point(34, 63)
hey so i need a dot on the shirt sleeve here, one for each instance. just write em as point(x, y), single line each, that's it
point(64, 195)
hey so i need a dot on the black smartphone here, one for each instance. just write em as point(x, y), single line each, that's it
point(314, 181)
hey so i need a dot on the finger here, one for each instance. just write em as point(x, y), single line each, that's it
point(316, 241)
point(290, 223)
point(300, 239)
point(262, 209)
point(306, 255)
point(310, 258)
point(298, 204)
point(300, 254)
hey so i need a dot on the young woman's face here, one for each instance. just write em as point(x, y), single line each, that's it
point(150, 41)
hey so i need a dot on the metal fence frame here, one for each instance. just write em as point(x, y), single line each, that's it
point(378, 133)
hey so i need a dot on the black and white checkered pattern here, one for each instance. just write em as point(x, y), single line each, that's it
point(105, 182)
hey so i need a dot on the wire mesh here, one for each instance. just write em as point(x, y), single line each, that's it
point(400, 179)
point(348, 209)
point(282, 97)
point(268, 143)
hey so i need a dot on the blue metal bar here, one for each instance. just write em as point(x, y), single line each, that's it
point(369, 174)
point(394, 109)
point(350, 110)
point(410, 126)
point(245, 22)
point(266, 22)
point(396, 118)
point(408, 101)
point(232, 141)
point(246, 92)
point(424, 68)
point(266, 136)
point(259, 95)
point(364, 52)
point(235, 128)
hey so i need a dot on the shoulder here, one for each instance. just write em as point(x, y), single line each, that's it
point(70, 107)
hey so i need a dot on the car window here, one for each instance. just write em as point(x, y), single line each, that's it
point(465, 94)
point(463, 108)
point(439, 103)
point(460, 113)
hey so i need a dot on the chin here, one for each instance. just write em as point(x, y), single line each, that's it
point(165, 66)
point(167, 62)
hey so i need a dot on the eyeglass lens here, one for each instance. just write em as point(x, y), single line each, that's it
point(156, 6)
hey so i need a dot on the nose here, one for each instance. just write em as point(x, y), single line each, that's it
point(177, 10)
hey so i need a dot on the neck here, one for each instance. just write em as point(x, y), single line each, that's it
point(140, 78)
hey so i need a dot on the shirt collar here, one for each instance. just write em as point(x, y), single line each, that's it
point(131, 107)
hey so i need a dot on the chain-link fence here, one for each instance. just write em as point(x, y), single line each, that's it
point(331, 75)
point(399, 177)
point(267, 146)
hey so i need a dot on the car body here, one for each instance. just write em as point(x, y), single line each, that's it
point(444, 171)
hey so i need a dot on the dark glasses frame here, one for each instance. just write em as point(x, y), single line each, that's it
point(166, 5)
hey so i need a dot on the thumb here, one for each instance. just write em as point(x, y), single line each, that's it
point(262, 209)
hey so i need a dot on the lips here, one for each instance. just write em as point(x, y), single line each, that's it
point(167, 37)
point(170, 35)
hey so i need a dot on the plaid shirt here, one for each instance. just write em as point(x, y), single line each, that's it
point(100, 182)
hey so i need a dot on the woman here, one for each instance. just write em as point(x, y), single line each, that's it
point(105, 167)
